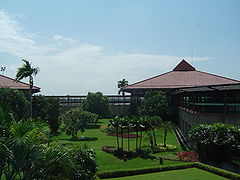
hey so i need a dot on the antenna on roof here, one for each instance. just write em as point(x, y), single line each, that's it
point(192, 55)
point(3, 68)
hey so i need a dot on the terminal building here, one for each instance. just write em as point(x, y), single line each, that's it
point(195, 97)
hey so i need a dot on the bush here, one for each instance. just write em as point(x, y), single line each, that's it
point(15, 100)
point(168, 147)
point(108, 149)
point(188, 156)
point(216, 142)
point(107, 129)
point(97, 103)
point(86, 165)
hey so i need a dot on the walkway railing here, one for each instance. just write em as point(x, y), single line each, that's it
point(72, 101)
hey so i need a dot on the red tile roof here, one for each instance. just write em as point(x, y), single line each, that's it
point(183, 75)
point(184, 66)
point(7, 82)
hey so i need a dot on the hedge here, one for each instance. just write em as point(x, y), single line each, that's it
point(122, 173)
point(132, 172)
point(218, 171)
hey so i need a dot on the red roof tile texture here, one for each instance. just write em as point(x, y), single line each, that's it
point(7, 82)
point(183, 75)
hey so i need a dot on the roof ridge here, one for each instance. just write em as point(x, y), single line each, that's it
point(218, 76)
point(184, 66)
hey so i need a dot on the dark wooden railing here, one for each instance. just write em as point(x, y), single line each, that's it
point(72, 101)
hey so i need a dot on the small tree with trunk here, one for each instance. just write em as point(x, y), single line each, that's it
point(166, 126)
point(76, 120)
point(115, 122)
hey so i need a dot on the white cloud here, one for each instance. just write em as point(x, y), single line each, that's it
point(78, 68)
point(60, 38)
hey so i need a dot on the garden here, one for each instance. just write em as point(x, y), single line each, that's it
point(39, 140)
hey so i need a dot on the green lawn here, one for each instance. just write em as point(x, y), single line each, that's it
point(183, 174)
point(108, 162)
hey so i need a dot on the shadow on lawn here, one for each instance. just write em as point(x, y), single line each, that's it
point(79, 139)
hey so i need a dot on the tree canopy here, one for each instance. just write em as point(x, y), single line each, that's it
point(76, 120)
point(121, 84)
point(97, 103)
point(154, 104)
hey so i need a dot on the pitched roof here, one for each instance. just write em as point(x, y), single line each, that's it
point(183, 75)
point(184, 66)
point(7, 82)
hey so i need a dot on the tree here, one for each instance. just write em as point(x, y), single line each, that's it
point(27, 71)
point(53, 114)
point(76, 120)
point(166, 126)
point(14, 100)
point(97, 103)
point(48, 110)
point(116, 124)
point(154, 104)
point(121, 84)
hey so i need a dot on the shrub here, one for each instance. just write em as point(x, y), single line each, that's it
point(216, 142)
point(15, 100)
point(107, 129)
point(168, 147)
point(188, 156)
point(108, 149)
point(86, 165)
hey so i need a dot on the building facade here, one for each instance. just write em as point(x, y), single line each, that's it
point(195, 97)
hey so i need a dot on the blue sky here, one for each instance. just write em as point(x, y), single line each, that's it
point(89, 45)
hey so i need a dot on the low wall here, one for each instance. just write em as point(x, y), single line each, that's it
point(187, 119)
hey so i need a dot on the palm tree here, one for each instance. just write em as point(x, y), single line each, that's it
point(27, 71)
point(121, 85)
point(166, 127)
point(115, 123)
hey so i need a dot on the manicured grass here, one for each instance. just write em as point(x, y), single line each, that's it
point(182, 174)
point(107, 162)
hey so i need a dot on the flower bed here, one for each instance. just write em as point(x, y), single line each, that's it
point(188, 156)
point(121, 154)
point(124, 135)
point(168, 147)
point(108, 149)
